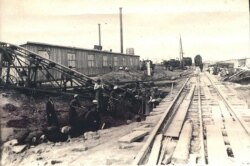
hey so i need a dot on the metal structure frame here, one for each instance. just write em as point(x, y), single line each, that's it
point(27, 64)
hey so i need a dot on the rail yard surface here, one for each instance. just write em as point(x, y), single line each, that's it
point(177, 92)
point(202, 121)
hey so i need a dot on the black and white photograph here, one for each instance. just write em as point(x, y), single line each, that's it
point(124, 82)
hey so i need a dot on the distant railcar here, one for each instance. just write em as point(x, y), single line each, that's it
point(174, 63)
point(171, 64)
point(187, 61)
point(198, 60)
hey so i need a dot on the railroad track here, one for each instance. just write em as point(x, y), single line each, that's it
point(202, 125)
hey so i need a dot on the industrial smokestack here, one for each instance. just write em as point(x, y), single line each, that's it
point(99, 29)
point(121, 30)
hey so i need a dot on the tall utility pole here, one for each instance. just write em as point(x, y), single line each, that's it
point(121, 30)
point(99, 29)
point(181, 53)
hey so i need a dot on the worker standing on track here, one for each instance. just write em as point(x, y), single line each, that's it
point(74, 104)
point(201, 67)
point(51, 113)
point(98, 87)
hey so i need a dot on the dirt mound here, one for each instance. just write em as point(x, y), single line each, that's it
point(159, 74)
point(162, 74)
point(121, 76)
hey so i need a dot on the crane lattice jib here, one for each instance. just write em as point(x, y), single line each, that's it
point(32, 69)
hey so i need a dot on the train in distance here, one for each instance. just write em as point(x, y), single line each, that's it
point(187, 61)
point(175, 64)
point(198, 61)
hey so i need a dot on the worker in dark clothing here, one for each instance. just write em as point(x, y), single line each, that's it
point(142, 100)
point(201, 66)
point(74, 104)
point(51, 113)
point(148, 102)
point(99, 95)
point(112, 100)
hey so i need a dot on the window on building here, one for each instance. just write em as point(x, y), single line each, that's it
point(43, 53)
point(105, 61)
point(91, 61)
point(72, 60)
point(136, 62)
point(115, 61)
point(124, 61)
point(131, 61)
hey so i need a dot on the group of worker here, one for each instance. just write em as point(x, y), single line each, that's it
point(52, 119)
point(147, 99)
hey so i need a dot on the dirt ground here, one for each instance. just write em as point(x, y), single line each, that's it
point(159, 74)
point(243, 92)
point(77, 151)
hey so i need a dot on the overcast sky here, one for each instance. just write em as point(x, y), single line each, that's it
point(215, 29)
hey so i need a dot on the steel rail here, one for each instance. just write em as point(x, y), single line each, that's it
point(243, 124)
point(201, 128)
point(146, 147)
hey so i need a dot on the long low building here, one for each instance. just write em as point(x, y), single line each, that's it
point(87, 61)
point(236, 63)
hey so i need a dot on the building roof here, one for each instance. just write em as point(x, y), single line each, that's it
point(75, 48)
point(234, 60)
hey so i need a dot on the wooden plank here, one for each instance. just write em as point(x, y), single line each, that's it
point(239, 141)
point(170, 147)
point(237, 137)
point(225, 111)
point(159, 110)
point(131, 137)
point(190, 94)
point(243, 111)
point(143, 152)
point(163, 150)
point(178, 120)
point(244, 123)
point(155, 113)
point(145, 127)
point(181, 153)
point(154, 154)
point(207, 93)
point(175, 127)
point(216, 114)
point(222, 94)
point(216, 149)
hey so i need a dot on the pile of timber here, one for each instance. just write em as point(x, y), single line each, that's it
point(242, 75)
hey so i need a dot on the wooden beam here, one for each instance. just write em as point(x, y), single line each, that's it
point(176, 124)
point(181, 153)
point(131, 137)
point(154, 155)
point(217, 154)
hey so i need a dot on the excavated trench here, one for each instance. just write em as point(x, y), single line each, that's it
point(26, 117)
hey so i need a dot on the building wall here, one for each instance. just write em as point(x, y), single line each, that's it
point(239, 62)
point(89, 62)
point(248, 62)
